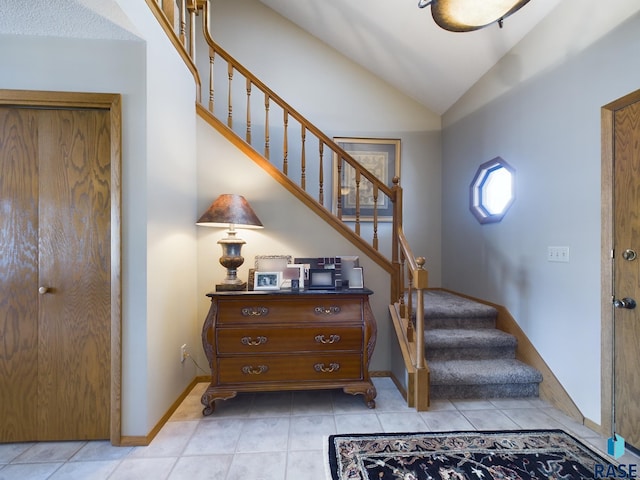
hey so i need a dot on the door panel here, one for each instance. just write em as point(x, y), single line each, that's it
point(74, 262)
point(61, 390)
point(18, 273)
point(627, 271)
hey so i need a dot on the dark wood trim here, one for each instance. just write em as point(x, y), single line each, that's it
point(116, 273)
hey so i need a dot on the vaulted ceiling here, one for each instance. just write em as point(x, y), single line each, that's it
point(394, 39)
point(400, 43)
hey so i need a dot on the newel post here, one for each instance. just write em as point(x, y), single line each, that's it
point(421, 387)
point(395, 240)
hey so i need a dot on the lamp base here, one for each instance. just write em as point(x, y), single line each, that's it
point(231, 287)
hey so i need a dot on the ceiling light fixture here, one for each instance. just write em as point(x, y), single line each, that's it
point(469, 15)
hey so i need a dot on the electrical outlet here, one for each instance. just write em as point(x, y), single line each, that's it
point(558, 254)
point(183, 353)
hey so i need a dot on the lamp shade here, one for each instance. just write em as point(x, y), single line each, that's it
point(230, 209)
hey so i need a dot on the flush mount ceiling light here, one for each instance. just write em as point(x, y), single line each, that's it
point(468, 15)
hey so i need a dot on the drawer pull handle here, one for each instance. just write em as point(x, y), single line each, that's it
point(326, 310)
point(254, 311)
point(251, 370)
point(333, 367)
point(252, 342)
point(332, 339)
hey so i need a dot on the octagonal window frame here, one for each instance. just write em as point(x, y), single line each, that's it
point(477, 191)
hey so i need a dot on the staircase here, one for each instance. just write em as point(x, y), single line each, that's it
point(467, 356)
point(295, 152)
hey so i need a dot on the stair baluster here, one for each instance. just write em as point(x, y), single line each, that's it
point(183, 36)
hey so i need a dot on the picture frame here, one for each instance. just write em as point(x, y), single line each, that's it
point(294, 271)
point(322, 279)
point(251, 279)
point(347, 264)
point(381, 156)
point(267, 280)
point(356, 279)
point(272, 263)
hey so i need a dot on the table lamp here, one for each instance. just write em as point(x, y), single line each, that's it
point(230, 211)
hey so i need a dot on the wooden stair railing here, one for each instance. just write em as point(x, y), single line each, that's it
point(178, 19)
point(410, 333)
point(179, 22)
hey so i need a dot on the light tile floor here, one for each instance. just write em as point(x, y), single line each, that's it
point(272, 436)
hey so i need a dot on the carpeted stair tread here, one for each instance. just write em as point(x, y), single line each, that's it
point(447, 310)
point(479, 372)
point(469, 344)
point(441, 304)
point(467, 356)
point(461, 338)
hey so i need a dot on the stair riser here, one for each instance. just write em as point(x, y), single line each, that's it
point(487, 353)
point(484, 391)
point(471, 323)
point(467, 357)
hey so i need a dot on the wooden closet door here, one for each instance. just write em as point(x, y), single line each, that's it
point(65, 383)
point(18, 274)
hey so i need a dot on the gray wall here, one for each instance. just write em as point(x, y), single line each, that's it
point(546, 124)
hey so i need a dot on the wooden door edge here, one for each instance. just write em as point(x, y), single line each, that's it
point(607, 113)
point(606, 270)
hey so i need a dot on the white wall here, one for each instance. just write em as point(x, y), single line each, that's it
point(544, 119)
point(290, 228)
point(158, 193)
point(169, 217)
point(343, 100)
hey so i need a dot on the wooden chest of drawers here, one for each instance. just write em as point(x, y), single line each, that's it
point(284, 340)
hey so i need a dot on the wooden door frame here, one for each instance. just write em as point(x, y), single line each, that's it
point(607, 116)
point(112, 103)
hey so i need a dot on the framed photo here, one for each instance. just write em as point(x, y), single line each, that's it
point(251, 279)
point(272, 263)
point(348, 263)
point(267, 281)
point(322, 279)
point(294, 271)
point(356, 279)
point(382, 158)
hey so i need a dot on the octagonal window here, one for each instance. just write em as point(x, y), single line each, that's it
point(492, 191)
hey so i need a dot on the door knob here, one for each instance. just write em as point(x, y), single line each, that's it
point(626, 302)
point(43, 290)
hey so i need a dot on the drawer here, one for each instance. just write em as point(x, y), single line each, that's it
point(289, 368)
point(259, 310)
point(321, 338)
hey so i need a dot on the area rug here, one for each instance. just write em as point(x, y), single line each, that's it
point(513, 455)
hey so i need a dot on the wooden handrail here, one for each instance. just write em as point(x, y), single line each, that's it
point(402, 259)
point(177, 40)
point(290, 111)
point(297, 191)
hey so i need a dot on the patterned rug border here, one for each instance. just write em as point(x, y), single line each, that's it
point(331, 460)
